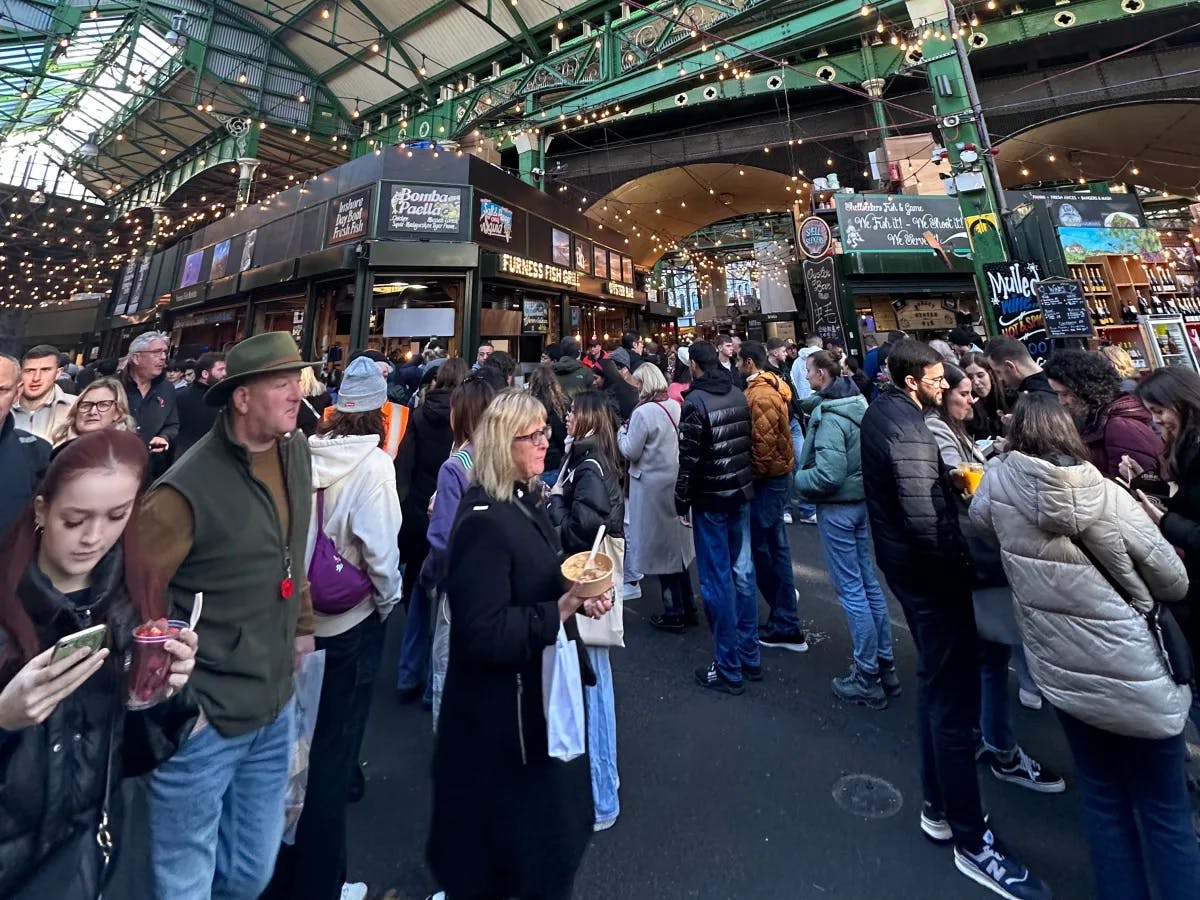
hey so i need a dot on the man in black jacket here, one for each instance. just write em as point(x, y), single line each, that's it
point(1016, 367)
point(152, 398)
point(195, 416)
point(713, 489)
point(23, 456)
point(921, 551)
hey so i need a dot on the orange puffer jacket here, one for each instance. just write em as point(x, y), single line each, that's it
point(771, 453)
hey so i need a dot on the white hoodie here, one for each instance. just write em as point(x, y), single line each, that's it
point(362, 518)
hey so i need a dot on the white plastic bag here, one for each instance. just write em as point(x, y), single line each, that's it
point(562, 699)
point(307, 693)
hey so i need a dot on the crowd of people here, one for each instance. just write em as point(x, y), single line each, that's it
point(1043, 517)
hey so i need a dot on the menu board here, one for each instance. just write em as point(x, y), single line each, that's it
point(1086, 210)
point(535, 316)
point(1014, 303)
point(901, 223)
point(1064, 308)
point(825, 311)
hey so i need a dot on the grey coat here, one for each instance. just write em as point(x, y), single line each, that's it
point(1092, 654)
point(661, 544)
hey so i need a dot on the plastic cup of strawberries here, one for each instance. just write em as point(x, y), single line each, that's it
point(148, 684)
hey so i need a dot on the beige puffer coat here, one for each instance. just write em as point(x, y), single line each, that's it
point(1091, 654)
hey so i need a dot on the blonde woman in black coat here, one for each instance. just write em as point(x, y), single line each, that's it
point(508, 821)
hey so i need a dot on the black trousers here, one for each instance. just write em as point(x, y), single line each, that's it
point(942, 621)
point(314, 868)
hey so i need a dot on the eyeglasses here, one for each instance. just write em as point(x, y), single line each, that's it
point(541, 436)
point(86, 406)
point(940, 380)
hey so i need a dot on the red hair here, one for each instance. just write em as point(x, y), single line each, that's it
point(103, 450)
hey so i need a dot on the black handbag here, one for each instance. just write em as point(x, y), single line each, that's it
point(1172, 643)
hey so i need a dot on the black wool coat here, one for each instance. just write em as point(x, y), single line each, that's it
point(426, 445)
point(508, 821)
point(53, 775)
point(1181, 526)
point(913, 518)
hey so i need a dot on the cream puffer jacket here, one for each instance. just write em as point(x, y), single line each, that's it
point(1092, 655)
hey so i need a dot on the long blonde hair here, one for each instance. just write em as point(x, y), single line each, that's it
point(310, 384)
point(124, 422)
point(507, 416)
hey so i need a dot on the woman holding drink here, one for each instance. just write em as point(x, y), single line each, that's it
point(994, 619)
point(67, 735)
point(508, 820)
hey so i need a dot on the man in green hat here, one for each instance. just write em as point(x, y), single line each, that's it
point(230, 520)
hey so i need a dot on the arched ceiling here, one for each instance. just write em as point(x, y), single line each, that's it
point(660, 209)
point(1156, 145)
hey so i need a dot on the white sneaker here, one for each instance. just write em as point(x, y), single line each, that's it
point(787, 518)
point(440, 895)
point(809, 520)
point(356, 891)
point(1029, 699)
point(632, 591)
point(604, 826)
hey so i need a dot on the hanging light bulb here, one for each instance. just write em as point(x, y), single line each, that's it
point(1024, 172)
point(1135, 170)
point(421, 68)
point(325, 12)
point(243, 77)
point(356, 112)
point(879, 27)
point(300, 98)
point(865, 9)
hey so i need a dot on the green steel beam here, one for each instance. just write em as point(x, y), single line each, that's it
point(393, 37)
point(535, 51)
point(397, 46)
point(530, 43)
point(65, 21)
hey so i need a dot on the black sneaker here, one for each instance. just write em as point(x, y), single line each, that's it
point(673, 624)
point(861, 688)
point(934, 825)
point(408, 695)
point(999, 872)
point(794, 640)
point(888, 677)
point(752, 673)
point(691, 617)
point(712, 679)
point(1026, 771)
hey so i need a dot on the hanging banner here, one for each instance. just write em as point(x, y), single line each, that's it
point(1014, 301)
point(901, 223)
point(824, 307)
point(1084, 210)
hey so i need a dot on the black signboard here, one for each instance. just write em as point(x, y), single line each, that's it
point(423, 209)
point(825, 309)
point(139, 283)
point(1064, 308)
point(535, 317)
point(1084, 210)
point(349, 217)
point(900, 223)
point(1014, 302)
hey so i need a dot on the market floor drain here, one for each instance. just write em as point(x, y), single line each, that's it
point(867, 796)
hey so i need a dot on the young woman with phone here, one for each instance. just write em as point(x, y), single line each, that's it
point(66, 737)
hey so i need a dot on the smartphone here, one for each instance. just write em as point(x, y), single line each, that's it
point(93, 638)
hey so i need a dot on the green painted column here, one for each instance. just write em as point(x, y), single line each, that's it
point(964, 135)
point(531, 158)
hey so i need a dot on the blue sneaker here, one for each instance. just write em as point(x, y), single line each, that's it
point(993, 868)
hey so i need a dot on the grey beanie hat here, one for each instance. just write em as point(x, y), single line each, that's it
point(620, 358)
point(363, 387)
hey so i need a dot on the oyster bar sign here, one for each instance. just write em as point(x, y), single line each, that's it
point(539, 271)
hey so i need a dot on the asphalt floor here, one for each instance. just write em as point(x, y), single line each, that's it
point(734, 797)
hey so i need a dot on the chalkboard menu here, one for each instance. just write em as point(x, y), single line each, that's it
point(536, 317)
point(1014, 303)
point(1064, 308)
point(825, 310)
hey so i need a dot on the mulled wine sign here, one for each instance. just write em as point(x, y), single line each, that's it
point(1014, 300)
point(824, 307)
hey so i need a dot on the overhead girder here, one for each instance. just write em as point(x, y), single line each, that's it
point(395, 44)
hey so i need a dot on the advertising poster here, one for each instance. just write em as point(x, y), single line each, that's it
point(600, 258)
point(1085, 210)
point(560, 248)
point(1014, 301)
point(627, 270)
point(535, 317)
point(1080, 243)
point(248, 250)
point(191, 269)
point(583, 255)
point(219, 261)
point(495, 221)
point(349, 217)
point(421, 209)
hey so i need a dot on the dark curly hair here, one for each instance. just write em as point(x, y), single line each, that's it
point(1089, 376)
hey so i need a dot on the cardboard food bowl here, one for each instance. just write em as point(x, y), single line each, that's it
point(572, 570)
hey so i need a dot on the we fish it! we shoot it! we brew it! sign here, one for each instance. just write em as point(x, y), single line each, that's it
point(901, 223)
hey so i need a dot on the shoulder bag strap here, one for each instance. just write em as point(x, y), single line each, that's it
point(320, 510)
point(660, 405)
point(1122, 592)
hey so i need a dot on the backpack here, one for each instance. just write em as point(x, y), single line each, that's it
point(336, 585)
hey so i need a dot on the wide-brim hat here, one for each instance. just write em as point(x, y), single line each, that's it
point(262, 354)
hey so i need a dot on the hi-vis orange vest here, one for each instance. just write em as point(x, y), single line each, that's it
point(395, 421)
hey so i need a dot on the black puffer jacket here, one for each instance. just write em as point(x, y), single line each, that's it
point(714, 447)
point(23, 459)
point(52, 775)
point(1181, 526)
point(913, 521)
point(591, 497)
point(426, 445)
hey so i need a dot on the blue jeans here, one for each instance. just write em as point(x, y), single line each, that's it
point(804, 509)
point(602, 737)
point(995, 709)
point(216, 813)
point(633, 572)
point(413, 668)
point(1137, 813)
point(772, 554)
point(847, 545)
point(727, 586)
point(1024, 676)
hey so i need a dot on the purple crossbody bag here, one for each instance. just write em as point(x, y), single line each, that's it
point(336, 585)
